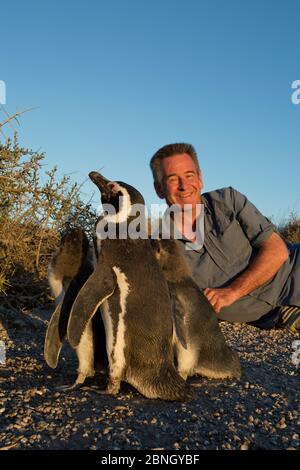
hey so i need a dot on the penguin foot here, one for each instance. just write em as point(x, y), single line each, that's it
point(94, 390)
point(68, 388)
point(76, 385)
point(113, 386)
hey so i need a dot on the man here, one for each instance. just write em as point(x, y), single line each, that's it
point(248, 273)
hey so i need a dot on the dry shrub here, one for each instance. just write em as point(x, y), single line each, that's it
point(35, 208)
point(290, 229)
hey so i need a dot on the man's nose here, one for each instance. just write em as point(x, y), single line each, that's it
point(182, 184)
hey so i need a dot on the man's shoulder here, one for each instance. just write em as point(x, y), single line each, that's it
point(225, 195)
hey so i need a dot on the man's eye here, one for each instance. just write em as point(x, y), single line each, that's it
point(173, 179)
point(190, 176)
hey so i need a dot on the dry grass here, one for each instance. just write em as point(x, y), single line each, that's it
point(290, 229)
point(35, 208)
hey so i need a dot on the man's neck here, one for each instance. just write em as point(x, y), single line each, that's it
point(186, 221)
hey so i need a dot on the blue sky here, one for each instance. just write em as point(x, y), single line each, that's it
point(116, 80)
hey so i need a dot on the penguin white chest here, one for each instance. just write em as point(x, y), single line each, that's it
point(116, 345)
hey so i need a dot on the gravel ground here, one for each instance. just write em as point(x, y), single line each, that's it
point(260, 411)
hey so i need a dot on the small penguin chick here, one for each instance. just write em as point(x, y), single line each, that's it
point(199, 345)
point(69, 269)
point(65, 262)
point(169, 255)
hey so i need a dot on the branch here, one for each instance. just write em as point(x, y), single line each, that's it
point(14, 116)
point(7, 115)
point(7, 178)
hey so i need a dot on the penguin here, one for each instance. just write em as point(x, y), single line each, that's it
point(65, 262)
point(70, 267)
point(129, 285)
point(199, 345)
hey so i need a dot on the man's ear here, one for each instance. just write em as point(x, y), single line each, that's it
point(159, 190)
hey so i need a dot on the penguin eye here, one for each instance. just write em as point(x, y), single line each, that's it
point(114, 187)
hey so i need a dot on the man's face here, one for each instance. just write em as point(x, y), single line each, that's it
point(182, 181)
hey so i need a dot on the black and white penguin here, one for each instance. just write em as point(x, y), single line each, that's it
point(130, 287)
point(200, 347)
point(70, 267)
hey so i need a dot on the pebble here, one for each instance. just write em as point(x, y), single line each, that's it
point(61, 420)
point(281, 424)
point(245, 446)
point(106, 430)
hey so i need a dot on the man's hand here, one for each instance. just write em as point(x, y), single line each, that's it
point(271, 255)
point(222, 297)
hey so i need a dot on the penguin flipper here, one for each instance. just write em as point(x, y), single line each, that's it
point(57, 328)
point(53, 341)
point(178, 318)
point(99, 287)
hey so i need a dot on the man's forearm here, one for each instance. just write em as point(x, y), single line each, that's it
point(270, 257)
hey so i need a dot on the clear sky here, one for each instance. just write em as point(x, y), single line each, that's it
point(115, 80)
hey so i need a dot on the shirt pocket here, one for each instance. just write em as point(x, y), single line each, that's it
point(231, 245)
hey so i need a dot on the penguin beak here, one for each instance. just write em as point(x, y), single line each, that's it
point(101, 183)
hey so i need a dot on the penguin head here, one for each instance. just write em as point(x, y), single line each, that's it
point(75, 239)
point(164, 250)
point(171, 259)
point(120, 195)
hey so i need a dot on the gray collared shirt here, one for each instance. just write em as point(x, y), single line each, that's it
point(234, 229)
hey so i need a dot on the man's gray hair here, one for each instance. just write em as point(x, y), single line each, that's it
point(168, 151)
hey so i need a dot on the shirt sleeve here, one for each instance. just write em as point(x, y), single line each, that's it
point(256, 227)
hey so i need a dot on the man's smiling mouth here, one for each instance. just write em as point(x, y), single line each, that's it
point(184, 196)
